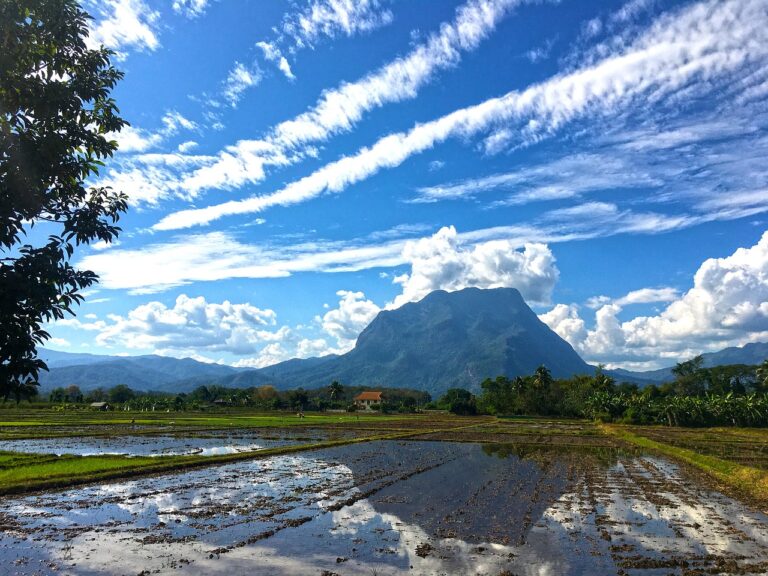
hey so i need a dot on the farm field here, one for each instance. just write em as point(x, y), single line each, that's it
point(421, 494)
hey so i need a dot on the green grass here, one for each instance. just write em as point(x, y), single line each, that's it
point(20, 424)
point(745, 480)
point(183, 419)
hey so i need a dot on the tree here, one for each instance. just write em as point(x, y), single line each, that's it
point(74, 394)
point(297, 399)
point(458, 401)
point(689, 377)
point(56, 115)
point(761, 375)
point(120, 393)
point(335, 390)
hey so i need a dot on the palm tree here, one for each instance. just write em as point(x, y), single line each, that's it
point(542, 378)
point(336, 390)
point(762, 376)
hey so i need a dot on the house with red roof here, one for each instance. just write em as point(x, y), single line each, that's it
point(367, 399)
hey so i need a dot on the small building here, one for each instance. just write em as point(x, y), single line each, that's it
point(100, 406)
point(368, 399)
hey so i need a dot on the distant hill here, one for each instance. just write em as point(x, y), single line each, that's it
point(89, 371)
point(750, 354)
point(56, 359)
point(446, 340)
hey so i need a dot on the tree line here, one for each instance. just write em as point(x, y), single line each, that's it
point(733, 395)
point(335, 396)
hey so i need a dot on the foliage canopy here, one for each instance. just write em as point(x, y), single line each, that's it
point(56, 117)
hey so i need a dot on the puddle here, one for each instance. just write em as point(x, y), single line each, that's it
point(392, 508)
point(209, 444)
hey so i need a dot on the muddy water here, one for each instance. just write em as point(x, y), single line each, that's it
point(392, 508)
point(209, 444)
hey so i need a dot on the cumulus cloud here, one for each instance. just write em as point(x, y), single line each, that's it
point(58, 343)
point(124, 25)
point(267, 356)
point(192, 324)
point(187, 146)
point(727, 305)
point(441, 262)
point(685, 48)
point(565, 320)
point(196, 328)
point(345, 322)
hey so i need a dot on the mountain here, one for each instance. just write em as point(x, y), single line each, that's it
point(446, 340)
point(56, 359)
point(750, 354)
point(89, 371)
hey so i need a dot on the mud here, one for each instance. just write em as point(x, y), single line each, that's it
point(416, 507)
point(204, 444)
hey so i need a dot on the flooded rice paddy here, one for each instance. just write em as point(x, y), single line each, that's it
point(394, 507)
point(207, 444)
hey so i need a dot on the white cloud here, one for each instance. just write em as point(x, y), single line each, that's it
point(565, 320)
point(273, 54)
point(564, 177)
point(630, 11)
point(239, 79)
point(541, 53)
point(727, 305)
point(124, 25)
point(333, 17)
point(647, 296)
point(339, 109)
point(192, 324)
point(308, 348)
point(187, 146)
point(103, 245)
point(441, 262)
point(346, 322)
point(190, 8)
point(700, 47)
point(58, 342)
point(146, 186)
point(132, 139)
point(217, 255)
point(322, 19)
point(269, 355)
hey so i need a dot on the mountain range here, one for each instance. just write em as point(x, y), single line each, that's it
point(446, 340)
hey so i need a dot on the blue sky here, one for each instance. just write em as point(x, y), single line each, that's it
point(295, 167)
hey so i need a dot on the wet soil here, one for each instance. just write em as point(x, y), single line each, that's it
point(211, 443)
point(746, 447)
point(415, 507)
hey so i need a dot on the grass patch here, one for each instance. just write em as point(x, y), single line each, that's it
point(38, 418)
point(745, 480)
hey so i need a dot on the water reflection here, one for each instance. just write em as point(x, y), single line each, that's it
point(209, 444)
point(392, 508)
